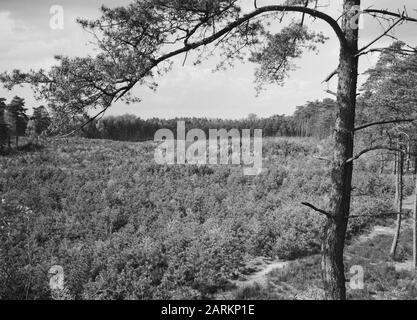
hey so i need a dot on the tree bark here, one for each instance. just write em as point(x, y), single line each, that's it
point(408, 158)
point(399, 204)
point(415, 228)
point(397, 179)
point(333, 243)
point(382, 164)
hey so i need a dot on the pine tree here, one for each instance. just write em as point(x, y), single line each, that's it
point(4, 130)
point(16, 118)
point(41, 120)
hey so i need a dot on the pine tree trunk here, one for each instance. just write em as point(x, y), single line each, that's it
point(408, 157)
point(399, 205)
point(415, 228)
point(382, 166)
point(333, 243)
point(397, 180)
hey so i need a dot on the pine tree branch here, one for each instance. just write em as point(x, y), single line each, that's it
point(374, 12)
point(309, 205)
point(215, 36)
point(380, 37)
point(365, 151)
point(331, 75)
point(367, 125)
point(385, 214)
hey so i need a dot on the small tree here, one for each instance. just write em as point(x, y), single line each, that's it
point(4, 129)
point(16, 118)
point(41, 120)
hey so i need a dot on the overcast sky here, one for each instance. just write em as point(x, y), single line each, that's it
point(27, 41)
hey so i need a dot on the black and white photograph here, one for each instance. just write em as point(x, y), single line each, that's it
point(208, 155)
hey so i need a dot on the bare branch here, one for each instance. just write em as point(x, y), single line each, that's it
point(360, 154)
point(385, 214)
point(380, 37)
point(322, 159)
point(309, 205)
point(331, 75)
point(367, 125)
point(374, 12)
point(331, 92)
point(101, 113)
point(399, 51)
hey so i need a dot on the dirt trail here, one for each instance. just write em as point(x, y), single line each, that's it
point(381, 230)
point(259, 268)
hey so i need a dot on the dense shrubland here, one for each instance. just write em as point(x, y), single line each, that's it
point(124, 227)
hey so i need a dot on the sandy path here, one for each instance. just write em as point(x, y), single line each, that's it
point(263, 266)
point(260, 276)
point(381, 230)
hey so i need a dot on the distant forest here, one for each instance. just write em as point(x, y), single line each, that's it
point(315, 119)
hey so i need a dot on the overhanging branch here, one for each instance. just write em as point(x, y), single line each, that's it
point(90, 120)
point(390, 14)
point(273, 8)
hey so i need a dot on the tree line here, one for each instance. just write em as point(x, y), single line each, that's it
point(314, 119)
point(15, 122)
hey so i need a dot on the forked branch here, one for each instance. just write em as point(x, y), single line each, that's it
point(380, 37)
